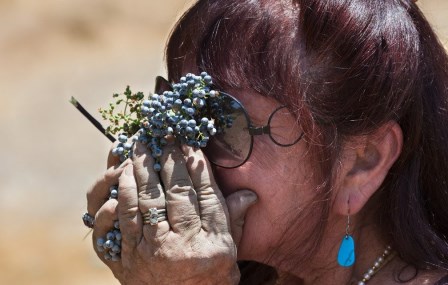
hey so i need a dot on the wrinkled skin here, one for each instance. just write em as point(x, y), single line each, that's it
point(202, 230)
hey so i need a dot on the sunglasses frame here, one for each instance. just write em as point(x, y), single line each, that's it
point(257, 131)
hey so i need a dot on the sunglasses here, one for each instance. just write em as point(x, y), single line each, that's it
point(232, 146)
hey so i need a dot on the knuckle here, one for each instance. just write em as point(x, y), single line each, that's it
point(92, 192)
point(143, 186)
point(109, 208)
point(126, 183)
point(162, 255)
point(184, 191)
point(110, 175)
point(151, 192)
point(129, 213)
point(187, 222)
point(180, 182)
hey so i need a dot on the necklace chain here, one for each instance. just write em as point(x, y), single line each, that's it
point(387, 255)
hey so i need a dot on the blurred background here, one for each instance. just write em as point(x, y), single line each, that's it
point(51, 50)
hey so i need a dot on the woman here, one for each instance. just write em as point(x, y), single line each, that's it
point(355, 97)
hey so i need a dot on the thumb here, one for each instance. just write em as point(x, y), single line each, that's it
point(238, 203)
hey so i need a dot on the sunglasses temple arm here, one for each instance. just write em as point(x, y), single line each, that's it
point(91, 118)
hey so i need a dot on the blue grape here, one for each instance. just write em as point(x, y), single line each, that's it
point(192, 123)
point(207, 78)
point(127, 146)
point(116, 249)
point(108, 244)
point(122, 138)
point(100, 242)
point(212, 132)
point(157, 167)
point(114, 194)
point(187, 102)
point(110, 236)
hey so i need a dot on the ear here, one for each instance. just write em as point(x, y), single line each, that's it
point(364, 164)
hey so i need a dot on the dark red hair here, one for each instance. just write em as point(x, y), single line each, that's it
point(345, 67)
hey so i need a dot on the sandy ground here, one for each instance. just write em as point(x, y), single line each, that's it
point(51, 50)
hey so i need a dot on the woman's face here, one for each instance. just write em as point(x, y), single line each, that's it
point(280, 176)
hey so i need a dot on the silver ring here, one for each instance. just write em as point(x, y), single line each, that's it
point(88, 220)
point(154, 216)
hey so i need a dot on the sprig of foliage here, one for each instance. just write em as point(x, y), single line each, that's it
point(126, 119)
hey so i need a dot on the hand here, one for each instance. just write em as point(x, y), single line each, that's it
point(195, 244)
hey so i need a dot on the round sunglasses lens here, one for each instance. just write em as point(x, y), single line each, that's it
point(284, 127)
point(231, 147)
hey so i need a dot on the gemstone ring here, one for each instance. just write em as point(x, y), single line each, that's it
point(153, 216)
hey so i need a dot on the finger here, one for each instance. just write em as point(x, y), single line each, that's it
point(148, 182)
point(210, 199)
point(113, 159)
point(99, 193)
point(238, 203)
point(181, 201)
point(150, 191)
point(128, 212)
point(104, 223)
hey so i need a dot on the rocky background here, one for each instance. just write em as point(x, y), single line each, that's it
point(51, 50)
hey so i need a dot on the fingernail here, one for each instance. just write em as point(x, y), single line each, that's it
point(129, 170)
point(250, 197)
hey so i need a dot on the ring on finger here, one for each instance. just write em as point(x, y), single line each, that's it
point(153, 216)
point(88, 220)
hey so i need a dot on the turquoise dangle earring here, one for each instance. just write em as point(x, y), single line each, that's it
point(346, 253)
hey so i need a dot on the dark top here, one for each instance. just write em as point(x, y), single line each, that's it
point(443, 281)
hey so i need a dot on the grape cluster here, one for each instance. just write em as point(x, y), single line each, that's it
point(111, 244)
point(192, 112)
point(124, 148)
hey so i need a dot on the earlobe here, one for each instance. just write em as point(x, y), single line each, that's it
point(365, 163)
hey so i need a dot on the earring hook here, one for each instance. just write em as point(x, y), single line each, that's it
point(347, 228)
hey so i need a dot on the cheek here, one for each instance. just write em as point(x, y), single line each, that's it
point(280, 166)
point(268, 222)
point(284, 187)
point(282, 179)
